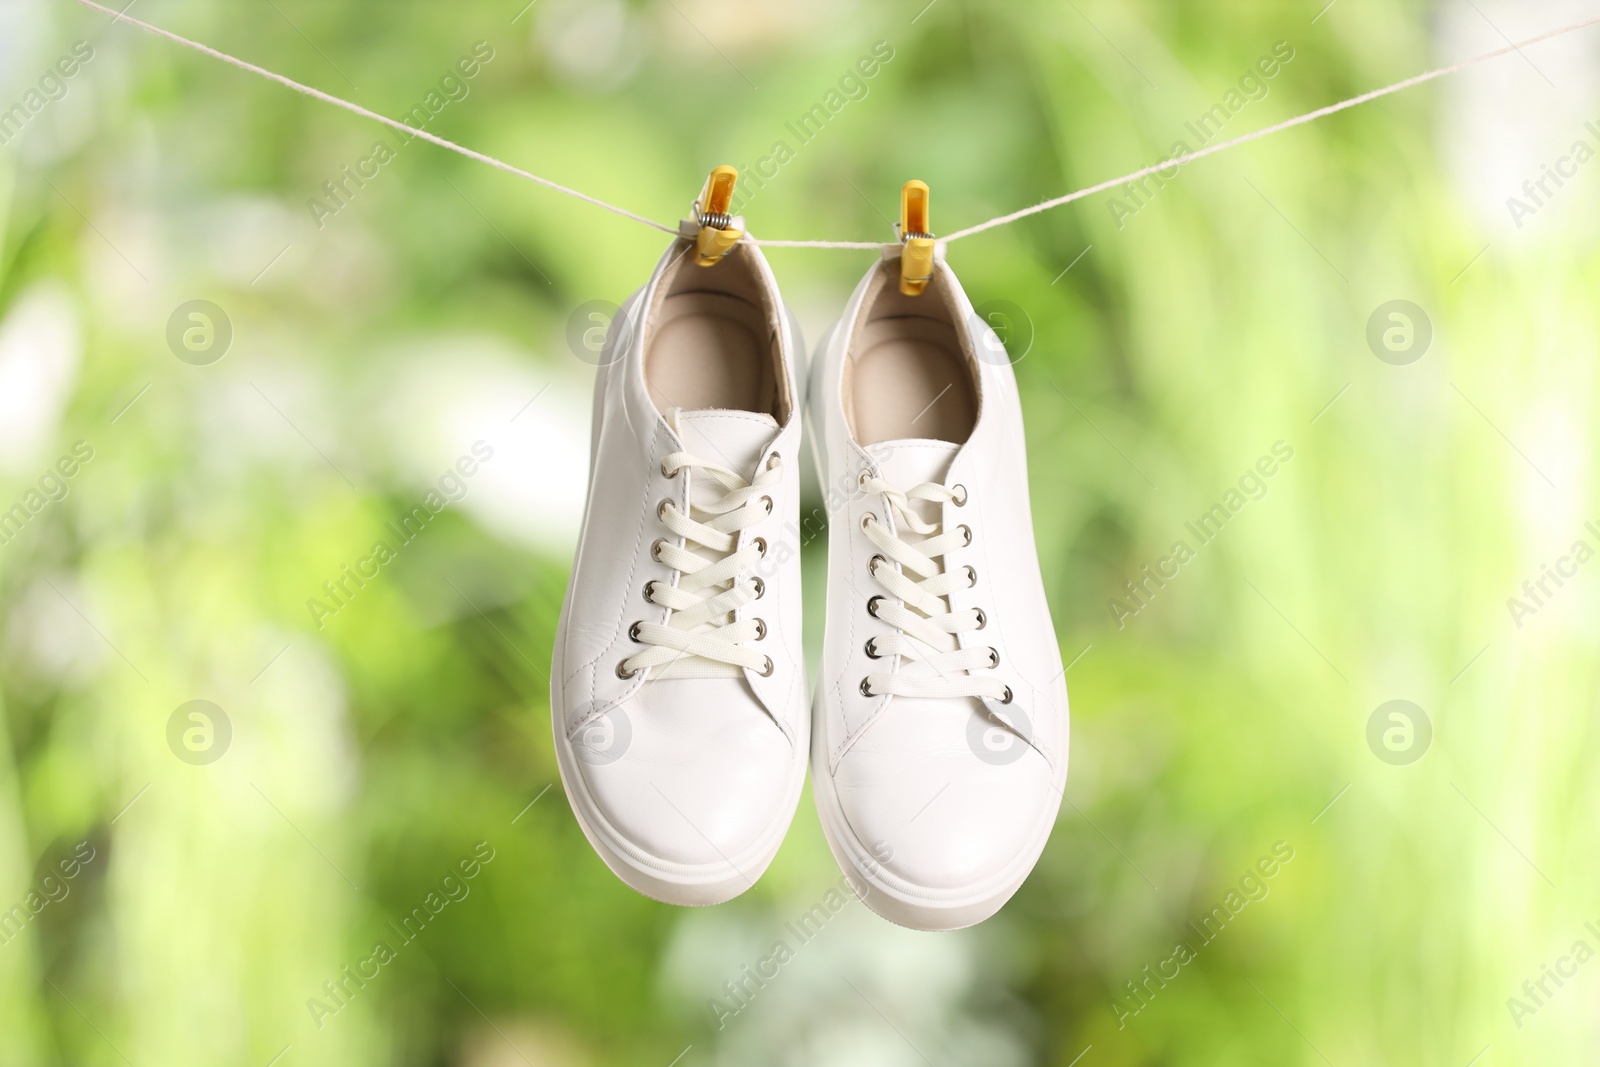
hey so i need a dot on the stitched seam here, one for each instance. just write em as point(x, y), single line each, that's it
point(734, 414)
point(594, 677)
point(790, 663)
point(862, 460)
point(838, 683)
point(632, 575)
point(996, 619)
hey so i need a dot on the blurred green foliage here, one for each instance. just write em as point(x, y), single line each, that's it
point(375, 749)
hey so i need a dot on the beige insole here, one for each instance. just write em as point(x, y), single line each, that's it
point(709, 350)
point(909, 380)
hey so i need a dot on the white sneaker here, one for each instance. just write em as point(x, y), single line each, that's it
point(939, 747)
point(678, 687)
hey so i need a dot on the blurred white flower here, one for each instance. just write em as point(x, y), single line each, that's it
point(48, 640)
point(40, 349)
point(589, 45)
point(1509, 120)
point(457, 391)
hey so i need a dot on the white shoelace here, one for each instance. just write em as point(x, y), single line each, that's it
point(700, 639)
point(935, 665)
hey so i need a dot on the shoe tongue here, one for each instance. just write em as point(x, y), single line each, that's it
point(909, 462)
point(732, 439)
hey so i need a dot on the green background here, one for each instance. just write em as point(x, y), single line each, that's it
point(1226, 719)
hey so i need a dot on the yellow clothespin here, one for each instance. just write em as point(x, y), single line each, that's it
point(717, 234)
point(916, 239)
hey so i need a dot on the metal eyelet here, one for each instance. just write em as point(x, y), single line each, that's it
point(661, 510)
point(655, 549)
point(650, 598)
point(633, 631)
point(762, 542)
point(761, 630)
point(866, 690)
point(1007, 698)
point(972, 576)
point(983, 620)
point(960, 501)
point(868, 517)
point(966, 532)
point(622, 671)
point(861, 479)
point(872, 564)
point(766, 502)
point(872, 653)
point(994, 657)
point(761, 587)
point(666, 473)
point(872, 606)
point(767, 672)
point(774, 461)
